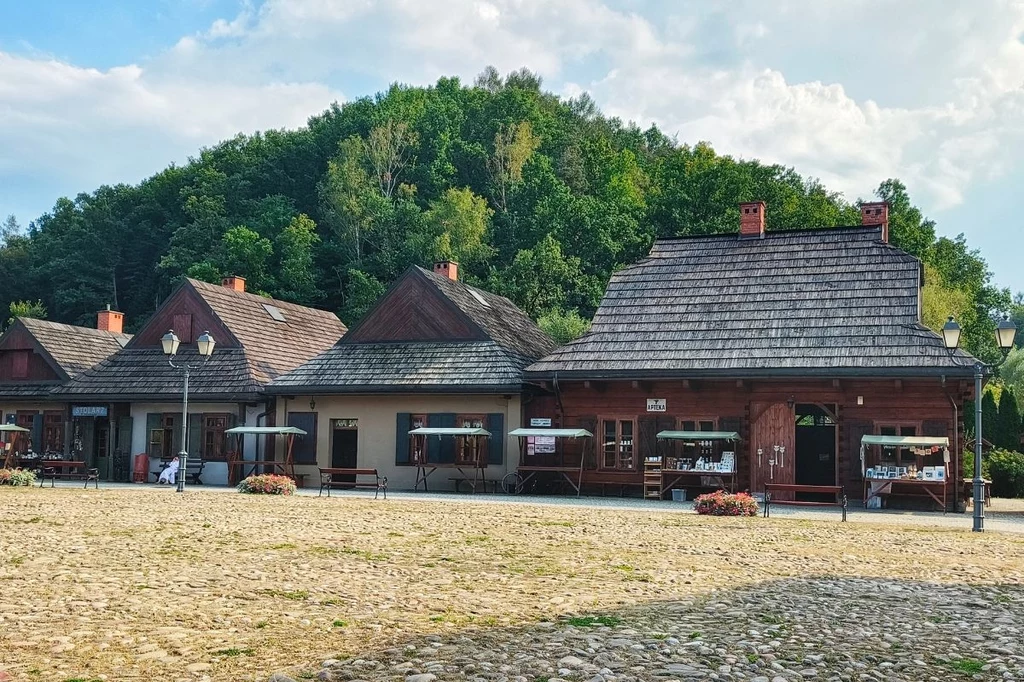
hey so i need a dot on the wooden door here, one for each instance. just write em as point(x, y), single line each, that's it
point(773, 425)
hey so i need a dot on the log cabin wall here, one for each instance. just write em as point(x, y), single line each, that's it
point(923, 403)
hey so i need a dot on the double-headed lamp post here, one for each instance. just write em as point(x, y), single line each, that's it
point(170, 343)
point(1005, 333)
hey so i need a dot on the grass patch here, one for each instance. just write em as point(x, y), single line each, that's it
point(339, 623)
point(235, 652)
point(262, 624)
point(17, 560)
point(967, 666)
point(753, 658)
point(294, 595)
point(592, 621)
point(284, 545)
point(695, 634)
point(770, 619)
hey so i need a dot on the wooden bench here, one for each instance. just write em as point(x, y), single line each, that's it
point(193, 470)
point(70, 471)
point(837, 490)
point(378, 485)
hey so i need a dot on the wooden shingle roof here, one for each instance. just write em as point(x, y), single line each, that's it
point(503, 341)
point(270, 342)
point(830, 302)
point(74, 349)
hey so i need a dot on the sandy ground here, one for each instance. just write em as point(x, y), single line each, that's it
point(128, 584)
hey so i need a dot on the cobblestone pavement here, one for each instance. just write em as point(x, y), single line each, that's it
point(122, 584)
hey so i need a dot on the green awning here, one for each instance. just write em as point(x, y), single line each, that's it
point(266, 430)
point(907, 441)
point(12, 427)
point(551, 433)
point(698, 435)
point(464, 431)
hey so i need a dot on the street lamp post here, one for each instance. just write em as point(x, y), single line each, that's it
point(1005, 333)
point(170, 343)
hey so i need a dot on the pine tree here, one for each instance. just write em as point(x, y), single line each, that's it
point(989, 418)
point(1009, 424)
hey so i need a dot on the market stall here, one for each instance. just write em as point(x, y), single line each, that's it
point(11, 434)
point(534, 443)
point(904, 466)
point(243, 468)
point(701, 460)
point(467, 449)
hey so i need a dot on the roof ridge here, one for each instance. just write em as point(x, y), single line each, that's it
point(219, 289)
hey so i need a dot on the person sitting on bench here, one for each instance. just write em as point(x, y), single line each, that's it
point(170, 473)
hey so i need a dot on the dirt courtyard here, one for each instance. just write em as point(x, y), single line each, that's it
point(150, 585)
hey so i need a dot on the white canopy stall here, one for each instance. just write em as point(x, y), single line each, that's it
point(882, 479)
point(469, 455)
point(538, 437)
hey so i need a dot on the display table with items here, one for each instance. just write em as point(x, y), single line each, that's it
point(700, 461)
point(11, 434)
point(904, 466)
point(534, 443)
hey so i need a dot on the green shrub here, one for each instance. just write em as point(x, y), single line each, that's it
point(721, 503)
point(17, 477)
point(267, 484)
point(1006, 470)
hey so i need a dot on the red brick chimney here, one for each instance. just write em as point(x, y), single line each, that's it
point(110, 321)
point(447, 268)
point(876, 213)
point(752, 220)
point(234, 283)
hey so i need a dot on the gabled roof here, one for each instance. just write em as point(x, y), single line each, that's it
point(831, 302)
point(68, 349)
point(271, 342)
point(502, 341)
point(74, 349)
point(272, 346)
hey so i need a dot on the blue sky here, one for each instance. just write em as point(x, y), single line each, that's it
point(107, 92)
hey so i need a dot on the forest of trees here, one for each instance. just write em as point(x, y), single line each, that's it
point(538, 198)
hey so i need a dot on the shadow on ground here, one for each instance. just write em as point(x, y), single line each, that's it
point(821, 628)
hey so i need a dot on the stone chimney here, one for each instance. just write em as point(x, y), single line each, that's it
point(752, 220)
point(110, 321)
point(234, 283)
point(447, 268)
point(876, 213)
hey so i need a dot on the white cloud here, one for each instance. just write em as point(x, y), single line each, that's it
point(929, 91)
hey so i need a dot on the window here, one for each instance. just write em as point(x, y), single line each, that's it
point(214, 440)
point(695, 449)
point(893, 455)
point(19, 364)
point(469, 449)
point(304, 447)
point(25, 419)
point(53, 431)
point(617, 444)
point(161, 437)
point(419, 445)
point(274, 312)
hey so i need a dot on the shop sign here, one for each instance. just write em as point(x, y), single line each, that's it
point(656, 404)
point(540, 421)
point(88, 411)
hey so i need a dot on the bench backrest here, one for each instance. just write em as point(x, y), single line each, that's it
point(796, 488)
point(349, 472)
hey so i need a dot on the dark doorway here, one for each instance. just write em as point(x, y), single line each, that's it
point(344, 448)
point(815, 449)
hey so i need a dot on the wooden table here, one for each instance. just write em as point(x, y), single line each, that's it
point(423, 471)
point(968, 490)
point(670, 478)
point(563, 472)
point(905, 487)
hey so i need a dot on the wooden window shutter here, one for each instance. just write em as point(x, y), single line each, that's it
point(446, 451)
point(195, 436)
point(19, 364)
point(589, 423)
point(849, 461)
point(402, 437)
point(183, 327)
point(648, 427)
point(496, 443)
point(154, 422)
point(37, 433)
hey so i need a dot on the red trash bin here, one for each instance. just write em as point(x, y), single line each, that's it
point(140, 471)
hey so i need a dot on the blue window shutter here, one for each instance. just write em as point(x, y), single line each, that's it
point(446, 450)
point(404, 424)
point(496, 443)
point(304, 449)
point(37, 433)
